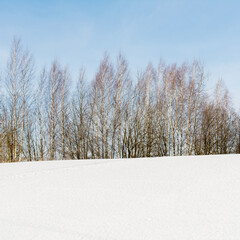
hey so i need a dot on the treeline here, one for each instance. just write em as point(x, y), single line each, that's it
point(161, 112)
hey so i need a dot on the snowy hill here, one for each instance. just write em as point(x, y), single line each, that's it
point(182, 198)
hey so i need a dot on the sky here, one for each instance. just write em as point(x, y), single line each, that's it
point(78, 33)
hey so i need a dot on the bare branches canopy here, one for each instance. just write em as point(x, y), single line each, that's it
point(163, 111)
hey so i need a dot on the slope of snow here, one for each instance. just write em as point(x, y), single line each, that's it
point(182, 198)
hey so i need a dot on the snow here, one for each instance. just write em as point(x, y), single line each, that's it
point(188, 198)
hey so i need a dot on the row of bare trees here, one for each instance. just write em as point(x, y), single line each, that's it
point(163, 112)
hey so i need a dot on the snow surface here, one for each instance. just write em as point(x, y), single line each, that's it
point(182, 198)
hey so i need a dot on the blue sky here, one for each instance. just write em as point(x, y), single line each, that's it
point(79, 32)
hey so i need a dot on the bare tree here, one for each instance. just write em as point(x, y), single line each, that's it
point(55, 79)
point(160, 112)
point(43, 80)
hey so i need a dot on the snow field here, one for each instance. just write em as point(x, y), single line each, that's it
point(182, 198)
